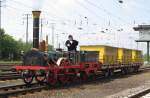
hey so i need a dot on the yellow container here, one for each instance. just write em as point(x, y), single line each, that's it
point(127, 56)
point(120, 55)
point(139, 57)
point(107, 54)
point(134, 54)
point(114, 55)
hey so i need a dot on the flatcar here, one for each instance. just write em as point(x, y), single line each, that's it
point(116, 59)
point(65, 67)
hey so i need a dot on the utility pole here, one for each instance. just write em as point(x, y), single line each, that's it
point(0, 27)
point(41, 35)
point(148, 52)
point(57, 41)
point(27, 26)
point(1, 1)
point(53, 28)
point(43, 22)
point(0, 12)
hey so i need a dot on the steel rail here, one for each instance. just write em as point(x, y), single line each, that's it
point(15, 90)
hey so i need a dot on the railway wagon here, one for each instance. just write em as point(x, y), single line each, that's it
point(116, 59)
point(107, 54)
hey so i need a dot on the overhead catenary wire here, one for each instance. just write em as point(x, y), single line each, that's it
point(57, 9)
point(13, 10)
point(105, 11)
point(89, 10)
point(19, 3)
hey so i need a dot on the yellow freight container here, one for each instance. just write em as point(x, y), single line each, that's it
point(114, 55)
point(124, 55)
point(107, 54)
point(127, 58)
point(120, 55)
point(139, 57)
point(134, 56)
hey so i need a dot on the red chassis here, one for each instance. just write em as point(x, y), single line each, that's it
point(63, 74)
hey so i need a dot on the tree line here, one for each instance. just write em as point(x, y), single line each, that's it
point(10, 49)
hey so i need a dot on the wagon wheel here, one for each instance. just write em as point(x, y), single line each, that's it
point(40, 78)
point(28, 77)
point(106, 73)
point(93, 76)
point(64, 79)
point(111, 72)
point(123, 71)
point(51, 79)
point(136, 69)
point(84, 77)
point(76, 79)
point(63, 62)
point(127, 70)
point(28, 80)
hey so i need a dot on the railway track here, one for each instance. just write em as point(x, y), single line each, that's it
point(9, 76)
point(144, 68)
point(6, 72)
point(4, 68)
point(14, 90)
point(140, 93)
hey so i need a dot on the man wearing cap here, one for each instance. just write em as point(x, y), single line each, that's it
point(71, 44)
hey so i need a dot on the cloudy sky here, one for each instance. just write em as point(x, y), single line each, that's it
point(90, 21)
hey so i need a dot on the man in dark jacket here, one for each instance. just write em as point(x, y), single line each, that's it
point(71, 44)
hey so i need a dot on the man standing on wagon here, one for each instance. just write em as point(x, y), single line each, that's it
point(71, 44)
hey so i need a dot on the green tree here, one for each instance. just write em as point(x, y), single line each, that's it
point(24, 46)
point(11, 48)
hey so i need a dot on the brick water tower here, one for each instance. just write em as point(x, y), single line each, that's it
point(144, 36)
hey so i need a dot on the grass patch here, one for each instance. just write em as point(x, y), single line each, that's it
point(10, 62)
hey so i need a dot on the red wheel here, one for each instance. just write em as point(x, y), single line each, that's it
point(40, 79)
point(51, 79)
point(28, 80)
point(84, 77)
point(76, 79)
point(40, 76)
point(64, 79)
point(93, 77)
point(27, 77)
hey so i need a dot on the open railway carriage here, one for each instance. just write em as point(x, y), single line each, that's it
point(116, 59)
point(56, 66)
